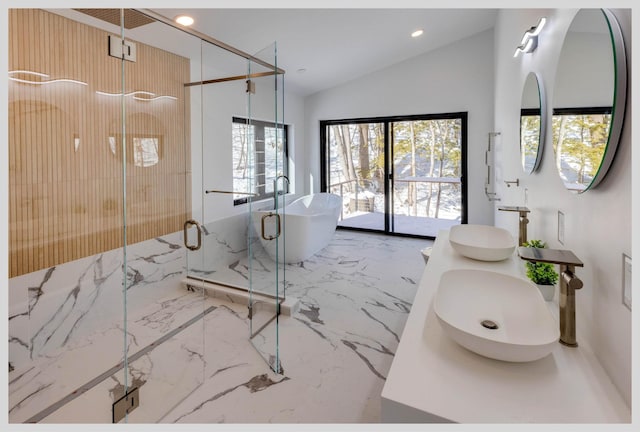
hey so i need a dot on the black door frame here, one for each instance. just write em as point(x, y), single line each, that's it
point(388, 148)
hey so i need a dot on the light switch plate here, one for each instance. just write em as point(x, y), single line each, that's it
point(626, 280)
point(561, 227)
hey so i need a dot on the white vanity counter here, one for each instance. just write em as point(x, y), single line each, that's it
point(433, 379)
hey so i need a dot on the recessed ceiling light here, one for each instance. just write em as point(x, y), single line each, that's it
point(184, 20)
point(302, 70)
point(417, 33)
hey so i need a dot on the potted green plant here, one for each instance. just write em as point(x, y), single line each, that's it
point(542, 274)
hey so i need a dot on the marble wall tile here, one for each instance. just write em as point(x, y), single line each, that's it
point(72, 300)
point(18, 328)
point(224, 242)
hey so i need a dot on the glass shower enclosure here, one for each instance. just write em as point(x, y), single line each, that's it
point(241, 130)
point(123, 209)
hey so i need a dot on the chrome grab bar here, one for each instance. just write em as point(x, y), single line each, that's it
point(187, 224)
point(268, 215)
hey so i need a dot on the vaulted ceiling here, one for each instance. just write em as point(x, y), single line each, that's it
point(322, 48)
point(337, 45)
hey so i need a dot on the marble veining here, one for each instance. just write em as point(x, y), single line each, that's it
point(57, 324)
point(395, 335)
point(56, 307)
point(311, 312)
point(336, 350)
point(364, 358)
point(255, 384)
point(36, 292)
point(355, 296)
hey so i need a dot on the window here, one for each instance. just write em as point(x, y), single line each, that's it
point(259, 156)
point(401, 175)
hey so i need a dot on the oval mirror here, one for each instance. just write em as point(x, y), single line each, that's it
point(532, 123)
point(589, 99)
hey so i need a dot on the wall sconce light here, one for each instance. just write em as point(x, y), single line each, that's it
point(529, 41)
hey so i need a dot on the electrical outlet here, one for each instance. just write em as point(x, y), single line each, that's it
point(561, 227)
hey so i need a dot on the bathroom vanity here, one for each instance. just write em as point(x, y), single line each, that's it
point(433, 379)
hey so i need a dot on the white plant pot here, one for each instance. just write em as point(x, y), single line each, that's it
point(547, 291)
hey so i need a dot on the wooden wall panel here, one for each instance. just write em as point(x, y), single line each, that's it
point(66, 203)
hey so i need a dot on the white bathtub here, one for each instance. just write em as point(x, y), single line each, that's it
point(308, 223)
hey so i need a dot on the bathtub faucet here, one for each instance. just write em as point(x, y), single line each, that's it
point(275, 189)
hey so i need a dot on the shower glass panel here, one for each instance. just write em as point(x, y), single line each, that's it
point(222, 259)
point(156, 149)
point(66, 213)
point(266, 243)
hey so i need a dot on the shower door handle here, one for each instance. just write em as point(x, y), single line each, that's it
point(265, 217)
point(187, 225)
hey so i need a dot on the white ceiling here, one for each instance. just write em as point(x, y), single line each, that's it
point(336, 45)
point(333, 45)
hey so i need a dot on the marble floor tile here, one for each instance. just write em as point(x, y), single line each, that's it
point(335, 351)
point(48, 379)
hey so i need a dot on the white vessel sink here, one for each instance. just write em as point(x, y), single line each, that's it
point(469, 303)
point(482, 242)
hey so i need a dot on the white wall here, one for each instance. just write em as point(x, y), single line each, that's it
point(456, 78)
point(598, 222)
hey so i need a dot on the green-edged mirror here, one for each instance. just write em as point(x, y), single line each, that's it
point(533, 121)
point(589, 99)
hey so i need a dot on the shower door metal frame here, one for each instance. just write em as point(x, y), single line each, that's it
point(207, 38)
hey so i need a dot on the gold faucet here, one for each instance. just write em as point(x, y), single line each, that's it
point(522, 231)
point(569, 283)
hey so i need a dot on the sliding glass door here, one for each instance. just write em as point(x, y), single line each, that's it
point(355, 161)
point(402, 175)
point(426, 175)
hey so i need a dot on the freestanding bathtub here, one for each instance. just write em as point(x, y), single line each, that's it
point(308, 223)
